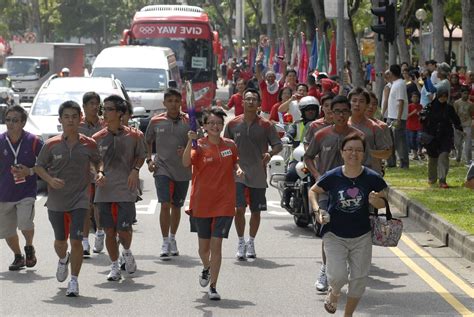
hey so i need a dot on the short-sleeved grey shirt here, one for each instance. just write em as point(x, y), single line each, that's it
point(89, 129)
point(326, 146)
point(169, 135)
point(72, 166)
point(374, 140)
point(252, 141)
point(314, 127)
point(119, 153)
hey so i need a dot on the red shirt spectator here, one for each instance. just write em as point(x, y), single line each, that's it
point(236, 101)
point(274, 112)
point(413, 120)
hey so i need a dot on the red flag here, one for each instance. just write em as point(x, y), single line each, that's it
point(332, 57)
point(303, 62)
point(272, 56)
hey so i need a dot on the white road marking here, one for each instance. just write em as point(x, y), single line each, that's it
point(148, 209)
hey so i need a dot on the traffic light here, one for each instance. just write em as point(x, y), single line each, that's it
point(386, 23)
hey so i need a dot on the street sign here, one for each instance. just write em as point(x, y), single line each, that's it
point(330, 9)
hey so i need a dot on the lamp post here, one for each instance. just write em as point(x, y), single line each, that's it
point(420, 15)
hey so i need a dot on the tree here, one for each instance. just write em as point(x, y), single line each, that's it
point(222, 12)
point(468, 30)
point(352, 46)
point(405, 16)
point(438, 32)
point(452, 20)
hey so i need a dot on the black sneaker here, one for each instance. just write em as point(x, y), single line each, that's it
point(18, 263)
point(213, 294)
point(30, 256)
point(204, 277)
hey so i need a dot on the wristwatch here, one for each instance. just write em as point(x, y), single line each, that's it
point(103, 174)
point(137, 168)
point(148, 160)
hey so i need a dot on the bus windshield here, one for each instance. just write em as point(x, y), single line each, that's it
point(193, 56)
point(136, 79)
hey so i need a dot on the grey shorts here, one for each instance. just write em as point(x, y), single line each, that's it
point(68, 223)
point(168, 189)
point(18, 214)
point(254, 197)
point(217, 227)
point(117, 215)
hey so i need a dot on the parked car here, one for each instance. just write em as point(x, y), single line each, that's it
point(43, 116)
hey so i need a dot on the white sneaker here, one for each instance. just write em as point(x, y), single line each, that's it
point(322, 281)
point(165, 251)
point(99, 242)
point(72, 288)
point(173, 247)
point(63, 269)
point(204, 277)
point(86, 248)
point(130, 264)
point(241, 250)
point(250, 253)
point(115, 273)
point(213, 294)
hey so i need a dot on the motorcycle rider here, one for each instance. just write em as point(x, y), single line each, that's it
point(309, 108)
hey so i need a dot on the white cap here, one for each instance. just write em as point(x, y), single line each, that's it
point(65, 70)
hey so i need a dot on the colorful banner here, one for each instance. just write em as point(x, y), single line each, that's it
point(303, 62)
point(313, 60)
point(322, 65)
point(332, 57)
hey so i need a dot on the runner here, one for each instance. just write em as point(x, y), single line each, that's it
point(123, 154)
point(325, 149)
point(214, 162)
point(169, 133)
point(62, 163)
point(320, 123)
point(18, 183)
point(252, 134)
point(90, 124)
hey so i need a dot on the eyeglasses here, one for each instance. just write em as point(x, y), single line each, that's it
point(110, 109)
point(251, 100)
point(12, 120)
point(353, 150)
point(339, 112)
point(212, 123)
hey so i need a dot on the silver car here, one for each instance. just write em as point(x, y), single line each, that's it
point(43, 115)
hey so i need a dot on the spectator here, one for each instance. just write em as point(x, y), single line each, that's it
point(455, 93)
point(414, 126)
point(236, 100)
point(283, 96)
point(464, 108)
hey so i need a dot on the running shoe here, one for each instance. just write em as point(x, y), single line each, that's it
point(250, 253)
point(114, 274)
point(63, 269)
point(99, 242)
point(86, 248)
point(241, 250)
point(72, 289)
point(30, 256)
point(130, 264)
point(17, 263)
point(204, 277)
point(213, 294)
point(173, 247)
point(165, 251)
point(322, 281)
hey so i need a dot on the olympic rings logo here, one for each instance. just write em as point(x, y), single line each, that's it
point(147, 29)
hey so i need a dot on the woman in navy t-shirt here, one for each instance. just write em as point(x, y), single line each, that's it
point(352, 188)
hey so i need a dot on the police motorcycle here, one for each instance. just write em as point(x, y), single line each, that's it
point(290, 176)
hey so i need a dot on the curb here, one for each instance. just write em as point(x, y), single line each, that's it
point(460, 241)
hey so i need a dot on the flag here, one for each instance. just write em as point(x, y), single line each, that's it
point(271, 58)
point(303, 62)
point(294, 52)
point(332, 57)
point(313, 61)
point(322, 65)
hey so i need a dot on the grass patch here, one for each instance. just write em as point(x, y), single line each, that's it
point(455, 204)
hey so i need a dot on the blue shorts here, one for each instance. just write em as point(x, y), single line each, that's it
point(68, 223)
point(217, 227)
point(256, 197)
point(167, 189)
point(117, 215)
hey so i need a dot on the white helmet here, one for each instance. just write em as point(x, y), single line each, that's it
point(298, 153)
point(301, 170)
point(65, 70)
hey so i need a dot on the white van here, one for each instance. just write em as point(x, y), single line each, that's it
point(145, 71)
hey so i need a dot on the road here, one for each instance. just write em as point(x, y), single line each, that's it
point(404, 281)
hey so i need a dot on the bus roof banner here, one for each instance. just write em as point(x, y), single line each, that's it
point(170, 30)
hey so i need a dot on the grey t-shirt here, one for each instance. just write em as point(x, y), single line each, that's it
point(252, 142)
point(89, 129)
point(314, 127)
point(169, 135)
point(72, 166)
point(119, 153)
point(326, 148)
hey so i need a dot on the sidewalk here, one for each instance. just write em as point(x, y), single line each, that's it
point(459, 241)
